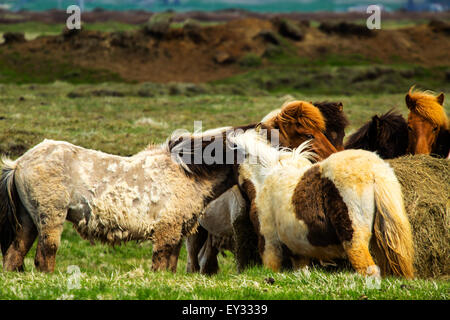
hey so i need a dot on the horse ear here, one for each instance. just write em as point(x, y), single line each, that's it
point(410, 103)
point(440, 99)
point(373, 132)
point(376, 121)
point(340, 106)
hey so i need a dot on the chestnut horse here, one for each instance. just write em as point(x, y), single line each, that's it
point(216, 232)
point(329, 210)
point(298, 121)
point(427, 122)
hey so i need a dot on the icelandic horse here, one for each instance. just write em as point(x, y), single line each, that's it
point(224, 225)
point(387, 135)
point(428, 125)
point(148, 196)
point(333, 209)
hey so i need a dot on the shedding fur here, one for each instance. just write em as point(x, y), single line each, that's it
point(147, 196)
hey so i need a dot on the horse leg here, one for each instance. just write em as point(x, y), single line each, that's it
point(160, 257)
point(299, 262)
point(24, 239)
point(194, 243)
point(358, 253)
point(165, 257)
point(173, 258)
point(272, 255)
point(208, 261)
point(49, 240)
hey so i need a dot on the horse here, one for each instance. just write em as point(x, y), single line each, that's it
point(428, 124)
point(335, 122)
point(332, 209)
point(152, 195)
point(387, 135)
point(225, 221)
point(296, 122)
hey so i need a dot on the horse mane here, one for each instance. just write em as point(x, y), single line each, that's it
point(305, 113)
point(425, 104)
point(183, 145)
point(255, 146)
point(334, 116)
point(387, 134)
point(442, 147)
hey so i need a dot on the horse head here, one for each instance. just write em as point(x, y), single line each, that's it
point(426, 120)
point(386, 134)
point(336, 122)
point(297, 122)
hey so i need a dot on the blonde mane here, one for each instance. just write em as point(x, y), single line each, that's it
point(257, 148)
point(425, 104)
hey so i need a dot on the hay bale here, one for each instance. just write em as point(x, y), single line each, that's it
point(425, 184)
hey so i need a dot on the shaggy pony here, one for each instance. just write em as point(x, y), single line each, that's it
point(330, 210)
point(153, 195)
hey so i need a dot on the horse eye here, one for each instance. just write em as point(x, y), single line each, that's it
point(310, 136)
point(409, 128)
point(435, 129)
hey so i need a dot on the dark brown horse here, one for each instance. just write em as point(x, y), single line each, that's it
point(387, 135)
point(336, 122)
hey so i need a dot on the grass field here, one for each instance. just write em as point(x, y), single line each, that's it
point(123, 119)
point(34, 29)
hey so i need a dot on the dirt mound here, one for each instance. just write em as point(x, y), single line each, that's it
point(346, 29)
point(195, 53)
point(13, 37)
point(440, 26)
point(425, 184)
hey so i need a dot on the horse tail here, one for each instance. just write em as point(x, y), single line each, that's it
point(392, 228)
point(8, 204)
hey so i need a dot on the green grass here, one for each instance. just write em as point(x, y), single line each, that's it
point(15, 68)
point(30, 113)
point(124, 272)
point(35, 29)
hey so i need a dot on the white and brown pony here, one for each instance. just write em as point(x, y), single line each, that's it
point(148, 196)
point(225, 224)
point(333, 209)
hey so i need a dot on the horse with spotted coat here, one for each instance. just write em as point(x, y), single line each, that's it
point(148, 196)
point(336, 208)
